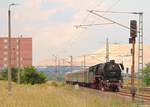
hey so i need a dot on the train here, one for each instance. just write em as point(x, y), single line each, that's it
point(103, 76)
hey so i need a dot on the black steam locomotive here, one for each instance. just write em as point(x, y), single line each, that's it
point(103, 76)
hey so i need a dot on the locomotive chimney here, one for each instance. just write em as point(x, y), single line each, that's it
point(112, 61)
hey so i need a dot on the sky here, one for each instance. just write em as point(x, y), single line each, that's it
point(51, 23)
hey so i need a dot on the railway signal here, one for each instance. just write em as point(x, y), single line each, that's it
point(133, 28)
point(132, 40)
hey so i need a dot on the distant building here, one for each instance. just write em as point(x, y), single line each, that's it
point(19, 47)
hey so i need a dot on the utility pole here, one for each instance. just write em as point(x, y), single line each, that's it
point(9, 52)
point(19, 57)
point(58, 71)
point(14, 58)
point(9, 49)
point(63, 64)
point(83, 67)
point(63, 61)
point(133, 70)
point(107, 50)
point(56, 67)
point(71, 63)
point(84, 62)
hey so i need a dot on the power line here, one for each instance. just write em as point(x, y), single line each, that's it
point(102, 23)
point(81, 25)
point(97, 59)
point(116, 12)
point(86, 25)
point(113, 5)
point(87, 16)
point(108, 19)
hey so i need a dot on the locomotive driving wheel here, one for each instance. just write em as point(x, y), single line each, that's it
point(101, 86)
point(115, 89)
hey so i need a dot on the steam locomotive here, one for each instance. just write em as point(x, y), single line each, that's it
point(104, 76)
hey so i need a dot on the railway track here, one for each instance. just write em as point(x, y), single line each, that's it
point(145, 89)
point(146, 98)
point(140, 100)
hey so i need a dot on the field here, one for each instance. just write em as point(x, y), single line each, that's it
point(54, 94)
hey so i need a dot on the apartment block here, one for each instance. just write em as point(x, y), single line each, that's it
point(21, 52)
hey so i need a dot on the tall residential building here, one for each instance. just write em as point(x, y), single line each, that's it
point(21, 52)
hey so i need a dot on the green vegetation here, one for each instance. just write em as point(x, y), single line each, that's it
point(29, 75)
point(60, 95)
point(147, 74)
point(4, 74)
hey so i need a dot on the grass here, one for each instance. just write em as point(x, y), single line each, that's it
point(127, 85)
point(54, 94)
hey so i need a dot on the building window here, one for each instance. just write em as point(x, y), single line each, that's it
point(5, 40)
point(17, 40)
point(6, 47)
point(17, 59)
point(17, 47)
point(5, 53)
point(5, 58)
point(17, 53)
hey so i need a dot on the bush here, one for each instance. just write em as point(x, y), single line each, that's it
point(147, 74)
point(31, 76)
point(4, 74)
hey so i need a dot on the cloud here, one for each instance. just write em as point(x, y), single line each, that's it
point(59, 37)
point(30, 18)
point(31, 10)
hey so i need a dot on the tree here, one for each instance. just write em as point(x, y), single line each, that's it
point(147, 74)
point(31, 76)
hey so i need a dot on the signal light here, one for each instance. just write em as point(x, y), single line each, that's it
point(132, 40)
point(133, 28)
